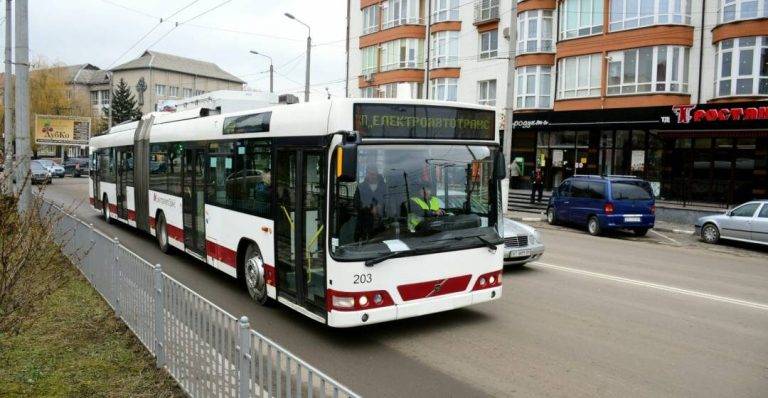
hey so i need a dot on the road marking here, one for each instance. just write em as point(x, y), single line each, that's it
point(693, 293)
point(665, 236)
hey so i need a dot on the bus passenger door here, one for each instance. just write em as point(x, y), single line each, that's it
point(193, 199)
point(94, 173)
point(121, 182)
point(300, 228)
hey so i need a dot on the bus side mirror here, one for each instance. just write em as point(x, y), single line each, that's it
point(500, 166)
point(346, 162)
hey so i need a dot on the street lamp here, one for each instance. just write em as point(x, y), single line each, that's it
point(309, 49)
point(271, 69)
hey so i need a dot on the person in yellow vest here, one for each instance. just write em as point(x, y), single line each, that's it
point(423, 205)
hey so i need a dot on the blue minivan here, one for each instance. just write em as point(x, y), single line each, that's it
point(604, 203)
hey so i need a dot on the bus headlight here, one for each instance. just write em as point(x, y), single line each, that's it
point(363, 301)
point(377, 298)
point(343, 302)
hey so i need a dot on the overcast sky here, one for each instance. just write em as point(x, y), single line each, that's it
point(99, 31)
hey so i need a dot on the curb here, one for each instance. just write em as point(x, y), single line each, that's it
point(675, 230)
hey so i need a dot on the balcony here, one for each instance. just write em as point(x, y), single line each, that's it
point(486, 11)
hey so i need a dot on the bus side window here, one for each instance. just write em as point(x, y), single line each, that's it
point(157, 168)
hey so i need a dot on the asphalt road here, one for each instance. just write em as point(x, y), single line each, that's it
point(597, 316)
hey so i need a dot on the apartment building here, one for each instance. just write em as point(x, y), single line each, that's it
point(450, 50)
point(673, 91)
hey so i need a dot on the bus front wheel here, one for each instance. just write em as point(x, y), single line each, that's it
point(253, 270)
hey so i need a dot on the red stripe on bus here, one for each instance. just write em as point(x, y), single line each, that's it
point(174, 232)
point(152, 222)
point(434, 288)
point(91, 200)
point(112, 208)
point(132, 215)
point(269, 274)
point(221, 253)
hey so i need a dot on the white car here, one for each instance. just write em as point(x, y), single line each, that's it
point(54, 168)
point(522, 243)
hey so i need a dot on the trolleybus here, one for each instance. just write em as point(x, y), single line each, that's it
point(348, 211)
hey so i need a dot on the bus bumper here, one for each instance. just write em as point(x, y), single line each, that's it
point(345, 319)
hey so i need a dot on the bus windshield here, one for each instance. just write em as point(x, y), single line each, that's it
point(423, 197)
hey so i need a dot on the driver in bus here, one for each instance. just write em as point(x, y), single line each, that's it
point(423, 205)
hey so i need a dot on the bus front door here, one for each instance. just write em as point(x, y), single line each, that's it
point(300, 228)
point(193, 200)
point(123, 168)
point(94, 173)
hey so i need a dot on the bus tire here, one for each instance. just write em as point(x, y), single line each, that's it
point(253, 274)
point(161, 232)
point(105, 209)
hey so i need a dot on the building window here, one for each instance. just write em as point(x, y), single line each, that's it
point(370, 19)
point(370, 59)
point(628, 14)
point(486, 92)
point(173, 91)
point(742, 66)
point(579, 76)
point(445, 89)
point(648, 69)
point(104, 97)
point(187, 92)
point(399, 12)
point(580, 18)
point(411, 90)
point(486, 10)
point(489, 44)
point(445, 10)
point(534, 32)
point(160, 89)
point(94, 98)
point(368, 92)
point(445, 49)
point(199, 92)
point(402, 54)
point(736, 10)
point(533, 89)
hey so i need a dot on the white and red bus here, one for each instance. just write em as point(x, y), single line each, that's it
point(351, 211)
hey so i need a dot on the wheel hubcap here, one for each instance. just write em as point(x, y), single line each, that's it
point(709, 234)
point(592, 226)
point(550, 216)
point(254, 276)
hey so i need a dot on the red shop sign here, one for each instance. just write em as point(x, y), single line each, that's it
point(688, 113)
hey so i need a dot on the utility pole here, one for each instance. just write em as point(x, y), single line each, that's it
point(271, 70)
point(111, 77)
point(7, 100)
point(429, 49)
point(309, 52)
point(23, 148)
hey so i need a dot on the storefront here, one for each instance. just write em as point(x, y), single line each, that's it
point(713, 153)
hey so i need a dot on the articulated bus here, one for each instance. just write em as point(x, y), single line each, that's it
point(349, 211)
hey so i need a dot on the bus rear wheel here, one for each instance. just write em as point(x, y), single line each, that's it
point(105, 209)
point(161, 231)
point(253, 271)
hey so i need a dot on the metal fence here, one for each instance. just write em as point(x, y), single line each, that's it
point(208, 351)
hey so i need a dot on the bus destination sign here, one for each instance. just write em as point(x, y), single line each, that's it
point(423, 122)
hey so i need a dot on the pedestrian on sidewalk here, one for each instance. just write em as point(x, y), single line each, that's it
point(537, 184)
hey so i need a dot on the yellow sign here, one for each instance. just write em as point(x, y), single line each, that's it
point(62, 130)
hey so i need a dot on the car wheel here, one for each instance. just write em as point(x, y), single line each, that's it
point(710, 233)
point(161, 231)
point(551, 218)
point(253, 271)
point(640, 231)
point(593, 226)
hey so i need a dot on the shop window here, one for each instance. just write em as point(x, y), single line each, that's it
point(579, 76)
point(534, 32)
point(580, 18)
point(742, 66)
point(648, 69)
point(629, 14)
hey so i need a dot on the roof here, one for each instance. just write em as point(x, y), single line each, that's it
point(158, 60)
point(82, 74)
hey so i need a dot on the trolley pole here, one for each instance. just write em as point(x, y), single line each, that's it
point(23, 148)
point(7, 188)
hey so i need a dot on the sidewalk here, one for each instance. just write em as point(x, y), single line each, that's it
point(662, 226)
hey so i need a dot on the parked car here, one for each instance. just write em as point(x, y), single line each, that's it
point(747, 222)
point(38, 173)
point(54, 168)
point(522, 243)
point(77, 167)
point(604, 203)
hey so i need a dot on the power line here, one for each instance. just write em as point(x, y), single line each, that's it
point(188, 20)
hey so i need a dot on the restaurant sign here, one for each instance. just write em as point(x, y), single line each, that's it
point(62, 130)
point(689, 114)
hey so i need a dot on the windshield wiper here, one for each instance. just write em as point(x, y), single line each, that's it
point(402, 253)
point(489, 244)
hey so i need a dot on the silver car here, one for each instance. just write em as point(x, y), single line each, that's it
point(522, 243)
point(747, 223)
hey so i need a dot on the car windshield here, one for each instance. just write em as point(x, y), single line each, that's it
point(46, 162)
point(36, 167)
point(631, 190)
point(415, 197)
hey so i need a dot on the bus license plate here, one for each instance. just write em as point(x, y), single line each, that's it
point(631, 218)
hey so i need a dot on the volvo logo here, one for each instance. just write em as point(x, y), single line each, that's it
point(437, 288)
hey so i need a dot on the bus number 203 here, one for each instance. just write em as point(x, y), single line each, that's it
point(363, 278)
